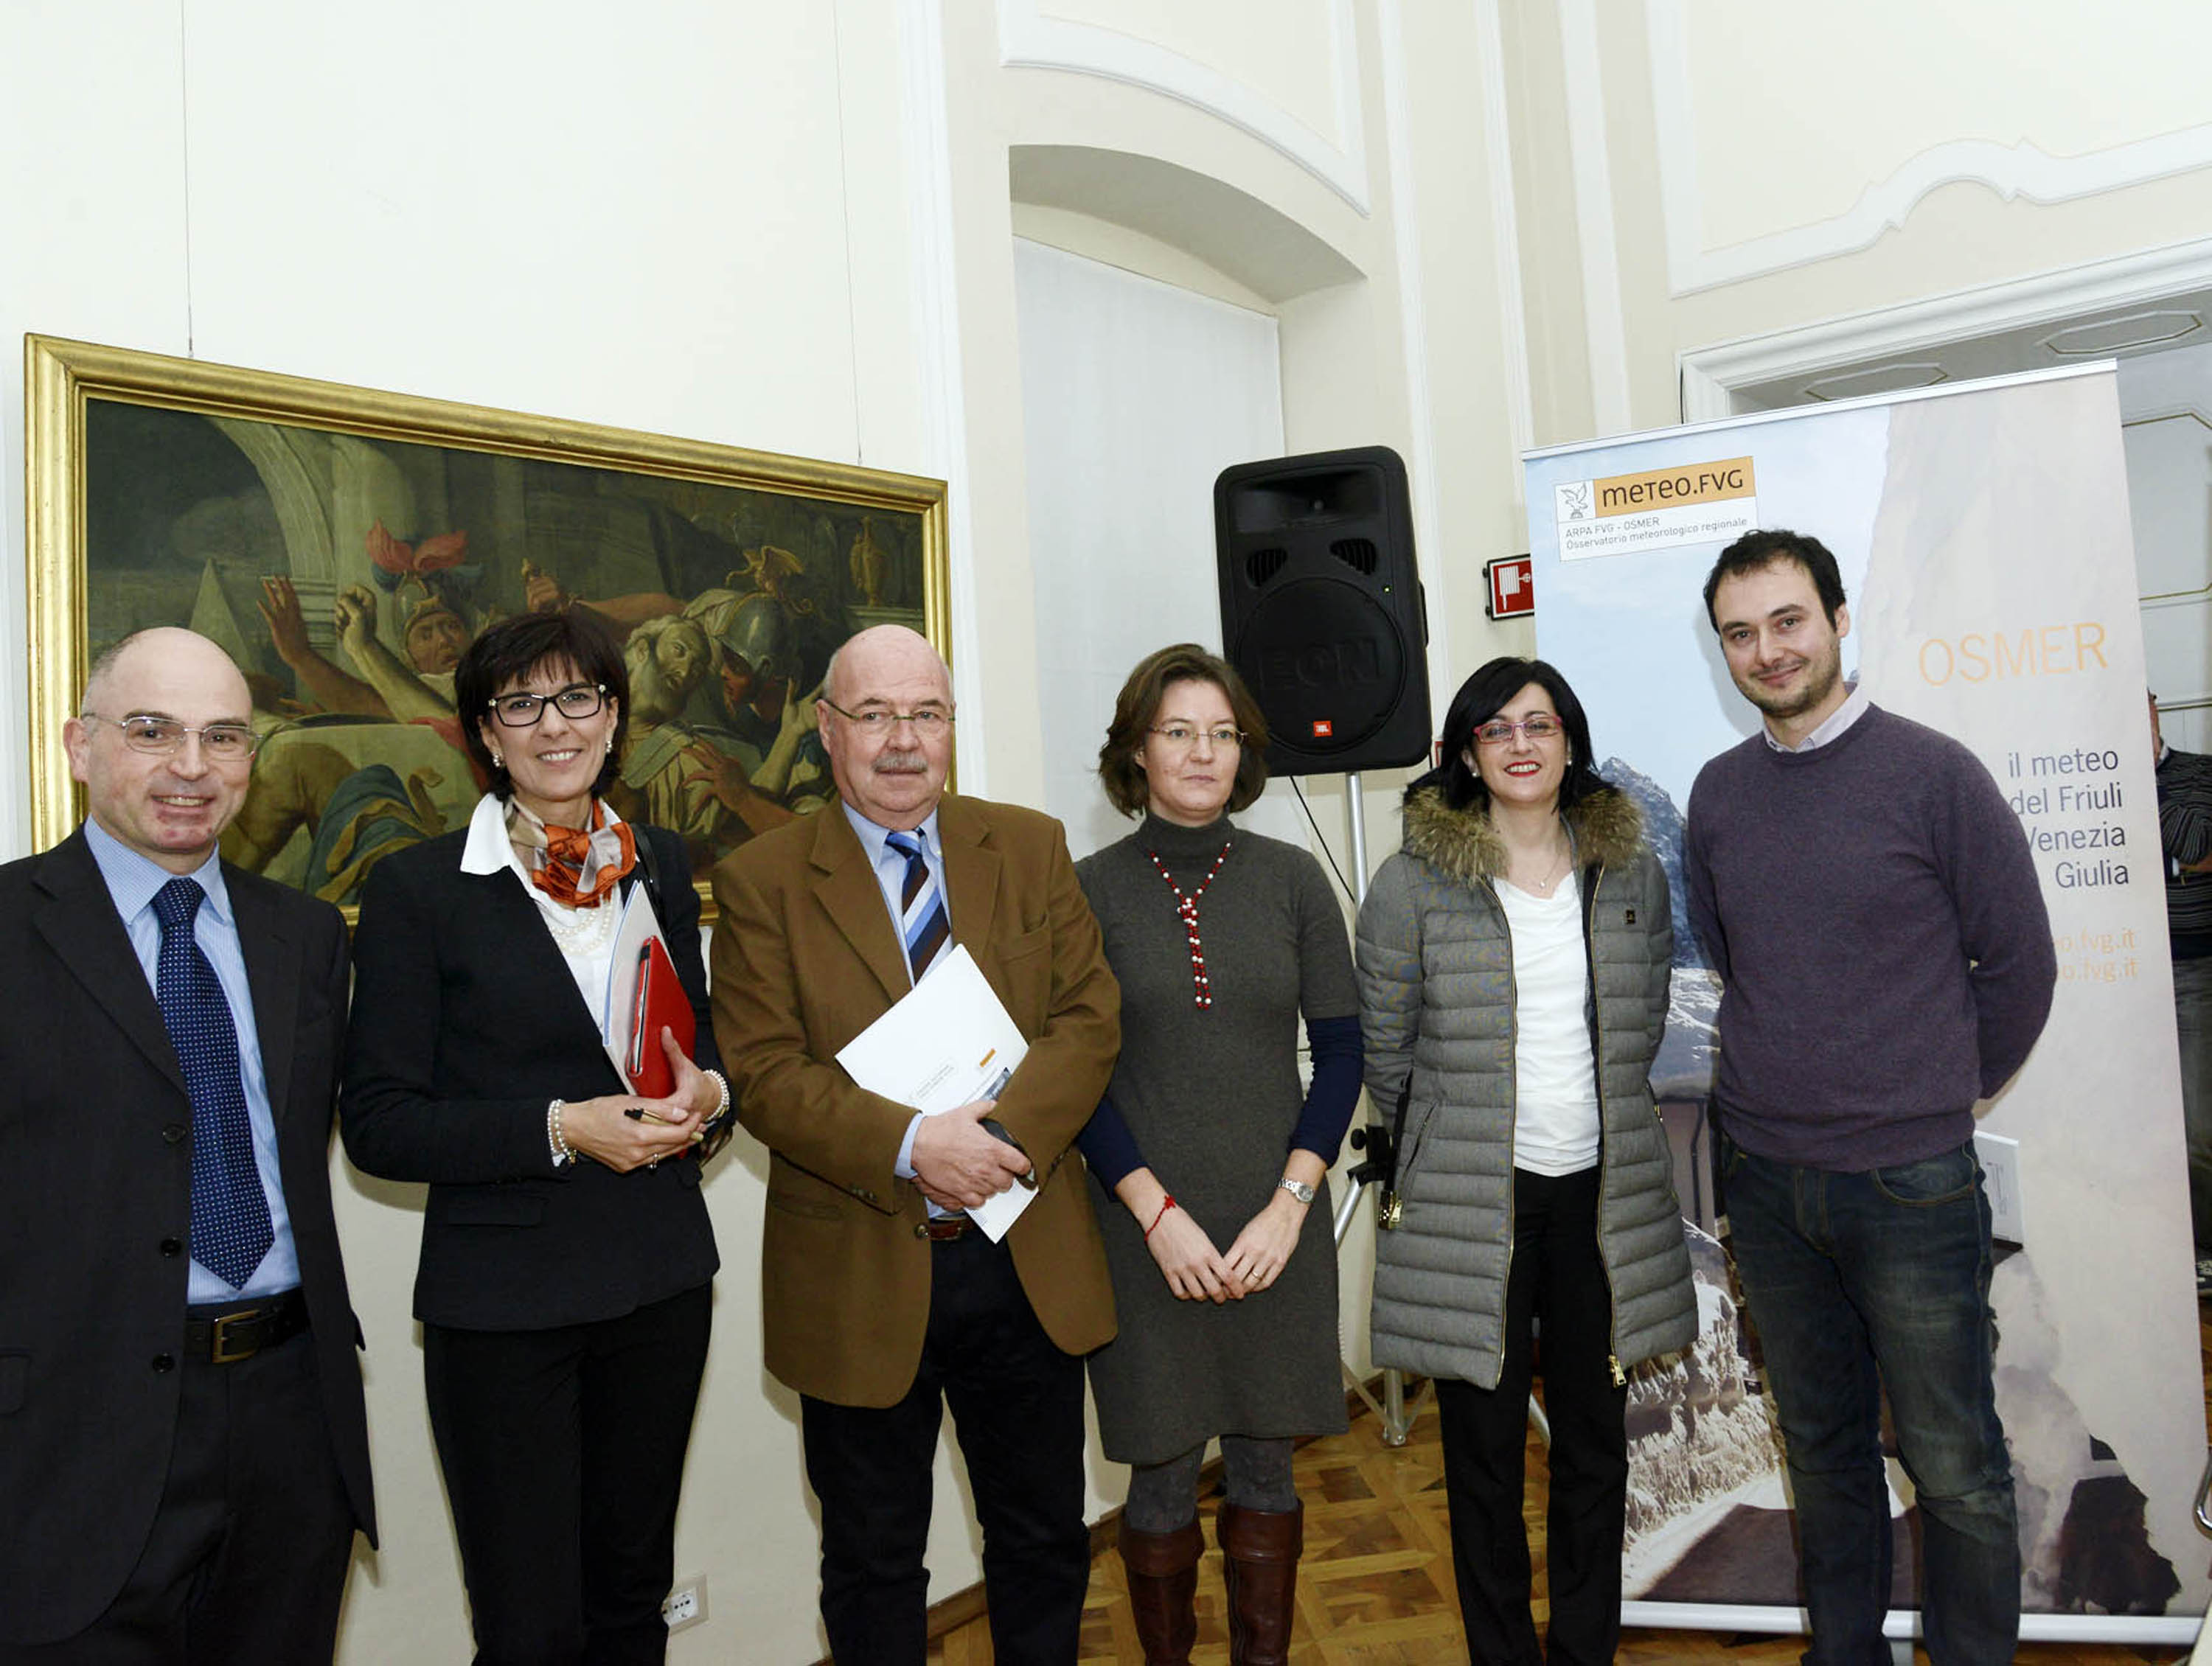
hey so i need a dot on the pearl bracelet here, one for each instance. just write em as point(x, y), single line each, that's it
point(563, 1153)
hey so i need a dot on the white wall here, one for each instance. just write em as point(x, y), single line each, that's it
point(1738, 171)
point(1136, 395)
point(695, 223)
point(783, 224)
point(787, 224)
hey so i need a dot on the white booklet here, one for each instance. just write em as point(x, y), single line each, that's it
point(945, 1043)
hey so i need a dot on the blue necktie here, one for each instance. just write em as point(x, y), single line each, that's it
point(924, 927)
point(230, 1213)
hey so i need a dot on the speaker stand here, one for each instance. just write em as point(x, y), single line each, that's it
point(1395, 1417)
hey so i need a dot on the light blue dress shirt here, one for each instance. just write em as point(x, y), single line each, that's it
point(132, 880)
point(889, 867)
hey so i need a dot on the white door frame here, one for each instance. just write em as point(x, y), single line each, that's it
point(1711, 375)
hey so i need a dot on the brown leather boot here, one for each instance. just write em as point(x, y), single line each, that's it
point(1162, 1570)
point(1260, 1560)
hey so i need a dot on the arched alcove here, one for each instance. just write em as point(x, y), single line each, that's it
point(1244, 239)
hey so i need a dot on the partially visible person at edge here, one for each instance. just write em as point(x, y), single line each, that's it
point(183, 1455)
point(1873, 909)
point(1225, 1273)
point(1513, 970)
point(564, 1287)
point(882, 1301)
point(2185, 831)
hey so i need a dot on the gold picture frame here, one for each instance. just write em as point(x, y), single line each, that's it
point(341, 542)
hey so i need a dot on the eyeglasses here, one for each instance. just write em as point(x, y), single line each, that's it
point(1541, 727)
point(878, 724)
point(220, 742)
point(1183, 736)
point(578, 699)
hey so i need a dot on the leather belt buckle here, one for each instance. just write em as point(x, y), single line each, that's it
point(944, 1228)
point(221, 1350)
point(228, 1339)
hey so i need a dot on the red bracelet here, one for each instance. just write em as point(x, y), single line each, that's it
point(1167, 1203)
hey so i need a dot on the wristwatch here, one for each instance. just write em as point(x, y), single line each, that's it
point(1298, 1189)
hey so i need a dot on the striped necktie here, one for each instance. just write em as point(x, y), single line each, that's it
point(231, 1229)
point(924, 927)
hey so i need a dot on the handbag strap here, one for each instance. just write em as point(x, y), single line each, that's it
point(648, 871)
point(1398, 1130)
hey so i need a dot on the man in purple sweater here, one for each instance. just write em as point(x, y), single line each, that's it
point(1871, 905)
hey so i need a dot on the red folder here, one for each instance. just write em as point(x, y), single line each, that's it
point(659, 1002)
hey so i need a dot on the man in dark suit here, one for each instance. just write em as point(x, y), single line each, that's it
point(184, 1457)
point(882, 1300)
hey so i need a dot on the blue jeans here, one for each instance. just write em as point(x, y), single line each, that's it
point(1858, 1283)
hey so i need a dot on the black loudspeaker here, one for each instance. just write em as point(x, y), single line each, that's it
point(1321, 607)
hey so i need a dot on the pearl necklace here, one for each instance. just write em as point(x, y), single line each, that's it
point(1187, 909)
point(579, 932)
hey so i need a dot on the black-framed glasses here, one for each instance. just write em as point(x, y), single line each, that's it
point(1541, 727)
point(220, 742)
point(877, 722)
point(1183, 735)
point(578, 699)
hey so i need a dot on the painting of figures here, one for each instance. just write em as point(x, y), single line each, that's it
point(345, 547)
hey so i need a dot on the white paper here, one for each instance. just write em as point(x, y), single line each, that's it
point(945, 1043)
point(638, 926)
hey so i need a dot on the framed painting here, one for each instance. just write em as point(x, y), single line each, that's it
point(344, 544)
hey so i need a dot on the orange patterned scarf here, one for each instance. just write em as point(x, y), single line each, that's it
point(574, 866)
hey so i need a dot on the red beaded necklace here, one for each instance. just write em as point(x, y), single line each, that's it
point(1186, 906)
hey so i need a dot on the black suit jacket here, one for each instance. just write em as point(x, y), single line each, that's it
point(467, 1023)
point(95, 1212)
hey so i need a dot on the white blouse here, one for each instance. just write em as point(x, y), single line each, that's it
point(1555, 1109)
point(584, 936)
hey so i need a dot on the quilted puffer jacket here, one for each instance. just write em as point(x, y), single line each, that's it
point(1436, 980)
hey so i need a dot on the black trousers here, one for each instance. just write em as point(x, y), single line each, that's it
point(1017, 1404)
point(1558, 1278)
point(247, 1557)
point(562, 1452)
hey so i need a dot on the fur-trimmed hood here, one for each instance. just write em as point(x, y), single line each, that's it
point(1606, 827)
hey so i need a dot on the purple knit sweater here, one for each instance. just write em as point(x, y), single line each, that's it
point(1874, 913)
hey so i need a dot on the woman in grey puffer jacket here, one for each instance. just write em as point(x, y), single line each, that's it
point(1513, 965)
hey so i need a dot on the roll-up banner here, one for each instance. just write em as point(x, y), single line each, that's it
point(1983, 537)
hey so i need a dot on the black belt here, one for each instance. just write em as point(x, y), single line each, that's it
point(224, 1336)
point(944, 1228)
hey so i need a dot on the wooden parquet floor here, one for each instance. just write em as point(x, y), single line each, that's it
point(1376, 1588)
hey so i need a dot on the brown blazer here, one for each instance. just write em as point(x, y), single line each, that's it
point(805, 959)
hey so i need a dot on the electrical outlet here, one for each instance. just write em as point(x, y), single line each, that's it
point(686, 1605)
point(2001, 1183)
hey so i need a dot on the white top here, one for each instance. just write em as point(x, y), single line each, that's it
point(584, 937)
point(1555, 1113)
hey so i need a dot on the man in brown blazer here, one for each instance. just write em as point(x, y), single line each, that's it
point(881, 1300)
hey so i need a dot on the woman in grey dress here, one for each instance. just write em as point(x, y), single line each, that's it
point(1209, 1161)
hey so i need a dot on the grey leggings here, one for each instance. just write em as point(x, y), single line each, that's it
point(1256, 1475)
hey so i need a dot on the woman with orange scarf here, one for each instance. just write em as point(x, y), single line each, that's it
point(564, 1287)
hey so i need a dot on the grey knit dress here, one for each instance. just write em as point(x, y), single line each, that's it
point(1212, 1095)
